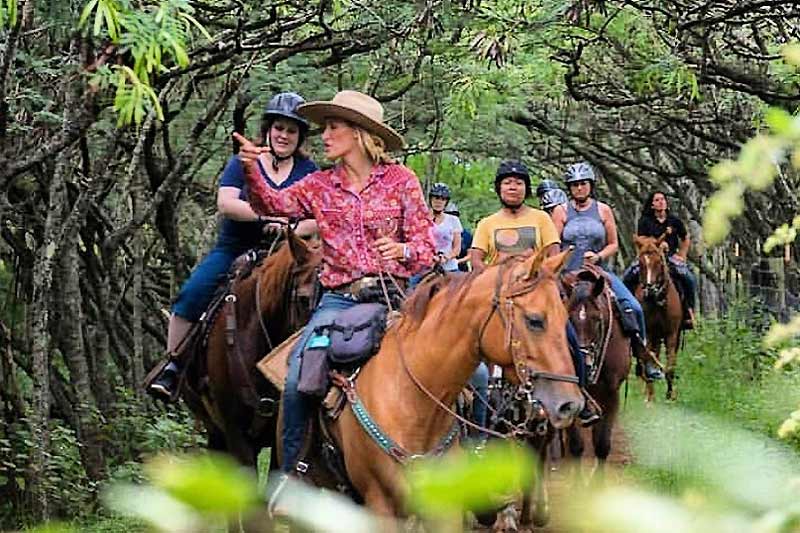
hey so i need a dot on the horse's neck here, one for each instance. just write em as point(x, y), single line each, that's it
point(442, 361)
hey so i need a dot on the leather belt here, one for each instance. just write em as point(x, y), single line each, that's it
point(355, 288)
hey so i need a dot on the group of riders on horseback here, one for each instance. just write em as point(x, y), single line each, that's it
point(377, 237)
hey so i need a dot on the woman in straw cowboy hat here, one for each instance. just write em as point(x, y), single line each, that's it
point(372, 219)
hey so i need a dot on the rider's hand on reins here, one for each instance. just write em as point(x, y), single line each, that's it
point(591, 257)
point(389, 249)
point(248, 151)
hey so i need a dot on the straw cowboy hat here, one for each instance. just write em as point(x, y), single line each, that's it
point(357, 108)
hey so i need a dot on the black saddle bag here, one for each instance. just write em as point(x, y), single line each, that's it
point(345, 343)
point(356, 334)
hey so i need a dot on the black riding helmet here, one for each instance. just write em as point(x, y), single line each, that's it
point(283, 105)
point(512, 167)
point(544, 186)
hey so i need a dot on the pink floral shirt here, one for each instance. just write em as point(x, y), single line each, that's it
point(390, 205)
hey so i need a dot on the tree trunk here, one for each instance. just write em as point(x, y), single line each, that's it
point(72, 345)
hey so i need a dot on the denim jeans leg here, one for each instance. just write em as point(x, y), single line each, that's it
point(297, 406)
point(624, 295)
point(480, 382)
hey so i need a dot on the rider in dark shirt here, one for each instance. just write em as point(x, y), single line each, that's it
point(655, 220)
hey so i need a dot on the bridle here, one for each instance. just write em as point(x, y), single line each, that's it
point(657, 291)
point(534, 414)
point(595, 350)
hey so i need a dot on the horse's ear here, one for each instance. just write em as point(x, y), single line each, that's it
point(536, 263)
point(599, 286)
point(639, 242)
point(558, 261)
point(660, 240)
point(297, 247)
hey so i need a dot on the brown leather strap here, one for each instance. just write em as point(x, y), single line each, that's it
point(238, 371)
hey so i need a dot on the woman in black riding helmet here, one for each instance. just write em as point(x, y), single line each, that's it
point(284, 132)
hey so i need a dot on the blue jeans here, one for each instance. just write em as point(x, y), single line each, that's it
point(480, 382)
point(297, 406)
point(197, 292)
point(627, 299)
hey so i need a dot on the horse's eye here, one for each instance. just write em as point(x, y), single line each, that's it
point(535, 322)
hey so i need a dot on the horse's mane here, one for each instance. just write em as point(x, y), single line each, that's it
point(266, 273)
point(416, 306)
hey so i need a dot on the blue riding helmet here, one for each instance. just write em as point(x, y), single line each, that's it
point(284, 105)
point(440, 189)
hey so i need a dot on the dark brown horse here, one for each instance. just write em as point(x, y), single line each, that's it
point(662, 306)
point(591, 309)
point(264, 306)
point(509, 315)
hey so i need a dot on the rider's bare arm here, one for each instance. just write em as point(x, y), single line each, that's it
point(559, 217)
point(683, 248)
point(476, 256)
point(231, 206)
point(610, 223)
point(456, 245)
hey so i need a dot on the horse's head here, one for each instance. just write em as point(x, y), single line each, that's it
point(653, 271)
point(305, 248)
point(286, 283)
point(525, 333)
point(588, 312)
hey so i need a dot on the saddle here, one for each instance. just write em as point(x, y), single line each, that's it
point(331, 361)
point(196, 341)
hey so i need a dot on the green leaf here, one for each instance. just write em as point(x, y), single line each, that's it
point(208, 483)
point(197, 25)
point(791, 54)
point(87, 10)
point(468, 481)
point(779, 120)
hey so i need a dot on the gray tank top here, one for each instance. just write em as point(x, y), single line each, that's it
point(585, 231)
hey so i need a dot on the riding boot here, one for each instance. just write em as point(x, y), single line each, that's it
point(591, 412)
point(651, 370)
point(688, 319)
point(163, 386)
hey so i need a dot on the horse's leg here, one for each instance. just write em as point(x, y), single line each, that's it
point(575, 446)
point(601, 432)
point(541, 507)
point(382, 506)
point(649, 387)
point(672, 359)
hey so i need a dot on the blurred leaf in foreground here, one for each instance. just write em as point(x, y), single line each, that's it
point(462, 481)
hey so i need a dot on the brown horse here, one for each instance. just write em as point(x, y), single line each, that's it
point(601, 339)
point(661, 304)
point(510, 315)
point(264, 306)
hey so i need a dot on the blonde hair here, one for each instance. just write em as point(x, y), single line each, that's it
point(373, 145)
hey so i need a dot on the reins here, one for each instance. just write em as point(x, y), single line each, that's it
point(525, 374)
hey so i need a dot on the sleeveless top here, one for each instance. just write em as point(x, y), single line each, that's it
point(585, 231)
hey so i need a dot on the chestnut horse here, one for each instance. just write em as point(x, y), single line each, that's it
point(591, 309)
point(509, 315)
point(264, 307)
point(662, 306)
